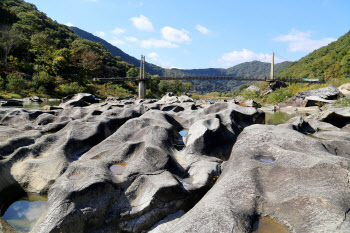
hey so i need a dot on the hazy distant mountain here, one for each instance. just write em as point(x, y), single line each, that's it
point(246, 69)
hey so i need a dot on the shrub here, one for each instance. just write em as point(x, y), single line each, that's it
point(279, 95)
point(69, 89)
point(16, 84)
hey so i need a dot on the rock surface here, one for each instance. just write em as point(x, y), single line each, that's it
point(278, 172)
point(301, 100)
point(78, 100)
point(109, 168)
point(345, 89)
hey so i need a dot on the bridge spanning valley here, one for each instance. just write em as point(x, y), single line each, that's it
point(142, 79)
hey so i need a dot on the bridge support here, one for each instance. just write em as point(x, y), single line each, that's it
point(142, 84)
point(272, 67)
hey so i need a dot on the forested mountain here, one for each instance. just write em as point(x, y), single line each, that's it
point(42, 57)
point(149, 67)
point(334, 59)
point(247, 69)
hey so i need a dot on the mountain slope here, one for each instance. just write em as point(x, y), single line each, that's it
point(150, 68)
point(333, 59)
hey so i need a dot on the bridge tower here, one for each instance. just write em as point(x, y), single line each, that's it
point(272, 66)
point(142, 85)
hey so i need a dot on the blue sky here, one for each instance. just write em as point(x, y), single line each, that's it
point(201, 34)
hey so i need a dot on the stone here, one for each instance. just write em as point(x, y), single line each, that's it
point(48, 108)
point(277, 172)
point(78, 100)
point(152, 179)
point(345, 89)
point(251, 103)
point(336, 116)
point(274, 86)
point(36, 99)
point(253, 88)
point(11, 103)
point(300, 100)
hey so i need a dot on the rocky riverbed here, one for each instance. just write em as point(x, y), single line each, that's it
point(123, 166)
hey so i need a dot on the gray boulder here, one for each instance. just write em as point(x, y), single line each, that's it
point(78, 100)
point(322, 94)
point(11, 103)
point(275, 172)
point(274, 86)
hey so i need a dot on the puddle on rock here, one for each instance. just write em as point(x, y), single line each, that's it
point(268, 225)
point(179, 142)
point(183, 133)
point(25, 212)
point(76, 176)
point(118, 168)
point(265, 158)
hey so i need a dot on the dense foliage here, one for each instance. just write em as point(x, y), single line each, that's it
point(41, 56)
point(333, 59)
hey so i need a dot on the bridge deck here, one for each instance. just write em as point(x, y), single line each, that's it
point(206, 78)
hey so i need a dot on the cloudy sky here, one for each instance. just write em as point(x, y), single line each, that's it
point(202, 34)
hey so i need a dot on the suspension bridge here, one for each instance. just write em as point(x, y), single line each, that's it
point(142, 79)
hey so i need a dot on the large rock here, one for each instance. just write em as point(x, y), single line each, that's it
point(136, 177)
point(274, 86)
point(345, 89)
point(336, 116)
point(301, 99)
point(253, 88)
point(278, 172)
point(78, 100)
point(11, 103)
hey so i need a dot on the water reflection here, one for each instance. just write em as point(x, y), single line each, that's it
point(265, 158)
point(118, 168)
point(24, 213)
point(268, 225)
point(36, 105)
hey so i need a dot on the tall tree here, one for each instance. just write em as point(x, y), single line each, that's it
point(9, 39)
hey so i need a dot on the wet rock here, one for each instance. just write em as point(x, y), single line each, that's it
point(278, 188)
point(11, 103)
point(322, 94)
point(78, 100)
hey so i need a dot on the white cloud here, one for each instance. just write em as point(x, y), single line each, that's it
point(131, 39)
point(153, 57)
point(237, 57)
point(300, 41)
point(116, 42)
point(142, 23)
point(69, 24)
point(100, 34)
point(117, 31)
point(174, 35)
point(154, 43)
point(202, 29)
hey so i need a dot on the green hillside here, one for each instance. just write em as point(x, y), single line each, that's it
point(334, 59)
point(149, 67)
